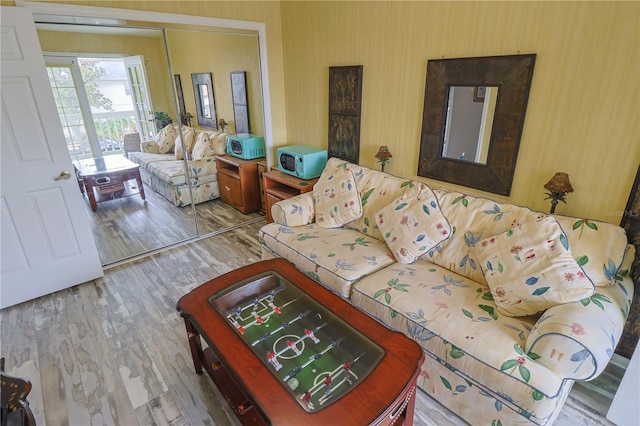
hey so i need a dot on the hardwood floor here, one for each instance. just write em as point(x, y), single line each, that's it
point(114, 351)
point(130, 226)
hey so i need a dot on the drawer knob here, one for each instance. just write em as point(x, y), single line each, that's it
point(227, 188)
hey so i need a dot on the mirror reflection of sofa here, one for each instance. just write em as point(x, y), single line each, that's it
point(162, 167)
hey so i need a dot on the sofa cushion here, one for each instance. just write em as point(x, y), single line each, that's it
point(413, 224)
point(597, 246)
point(471, 219)
point(336, 198)
point(455, 321)
point(166, 139)
point(171, 171)
point(336, 257)
point(376, 190)
point(203, 147)
point(530, 268)
point(145, 158)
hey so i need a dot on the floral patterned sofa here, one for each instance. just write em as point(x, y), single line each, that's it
point(163, 169)
point(511, 306)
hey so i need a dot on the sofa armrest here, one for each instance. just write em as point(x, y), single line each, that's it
point(576, 340)
point(150, 147)
point(294, 211)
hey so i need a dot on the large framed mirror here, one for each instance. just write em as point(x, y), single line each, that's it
point(205, 101)
point(473, 117)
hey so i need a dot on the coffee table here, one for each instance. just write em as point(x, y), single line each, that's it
point(282, 349)
point(107, 178)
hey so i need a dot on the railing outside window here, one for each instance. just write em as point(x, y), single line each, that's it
point(110, 126)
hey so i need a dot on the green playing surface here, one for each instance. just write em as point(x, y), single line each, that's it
point(275, 326)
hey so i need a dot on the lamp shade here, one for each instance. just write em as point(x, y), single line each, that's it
point(383, 153)
point(559, 183)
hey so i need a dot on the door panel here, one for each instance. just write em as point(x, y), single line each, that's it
point(140, 92)
point(47, 243)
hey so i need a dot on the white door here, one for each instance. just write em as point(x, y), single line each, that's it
point(46, 241)
point(140, 93)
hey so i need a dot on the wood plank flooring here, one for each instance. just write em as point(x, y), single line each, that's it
point(114, 351)
point(127, 227)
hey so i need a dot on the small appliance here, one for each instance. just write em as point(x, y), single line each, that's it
point(302, 161)
point(245, 146)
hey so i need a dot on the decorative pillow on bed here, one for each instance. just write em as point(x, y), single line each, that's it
point(529, 268)
point(413, 224)
point(336, 198)
point(166, 139)
point(203, 147)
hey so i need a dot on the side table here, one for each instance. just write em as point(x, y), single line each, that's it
point(238, 182)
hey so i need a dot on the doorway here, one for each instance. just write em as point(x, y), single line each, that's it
point(94, 103)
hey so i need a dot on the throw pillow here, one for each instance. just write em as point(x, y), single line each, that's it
point(178, 150)
point(413, 224)
point(336, 197)
point(166, 139)
point(219, 143)
point(203, 147)
point(598, 247)
point(150, 147)
point(189, 134)
point(529, 268)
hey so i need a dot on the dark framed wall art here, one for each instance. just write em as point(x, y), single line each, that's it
point(345, 101)
point(240, 104)
point(205, 103)
point(180, 97)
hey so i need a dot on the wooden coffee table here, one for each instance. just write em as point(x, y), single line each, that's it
point(282, 349)
point(107, 178)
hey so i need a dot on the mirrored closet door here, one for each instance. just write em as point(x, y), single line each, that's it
point(116, 88)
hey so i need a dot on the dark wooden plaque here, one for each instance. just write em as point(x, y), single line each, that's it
point(180, 96)
point(240, 105)
point(345, 100)
point(631, 222)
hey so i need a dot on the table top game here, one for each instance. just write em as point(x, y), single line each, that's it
point(283, 349)
point(317, 356)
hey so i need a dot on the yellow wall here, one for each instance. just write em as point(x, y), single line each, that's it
point(258, 11)
point(583, 111)
point(583, 108)
point(219, 54)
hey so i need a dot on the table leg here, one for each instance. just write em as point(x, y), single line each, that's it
point(88, 185)
point(410, 409)
point(140, 187)
point(195, 344)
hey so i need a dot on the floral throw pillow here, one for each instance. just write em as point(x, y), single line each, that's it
point(529, 268)
point(336, 198)
point(413, 224)
point(203, 147)
point(189, 134)
point(166, 139)
point(598, 247)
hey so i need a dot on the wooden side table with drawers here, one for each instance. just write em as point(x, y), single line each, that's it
point(238, 182)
